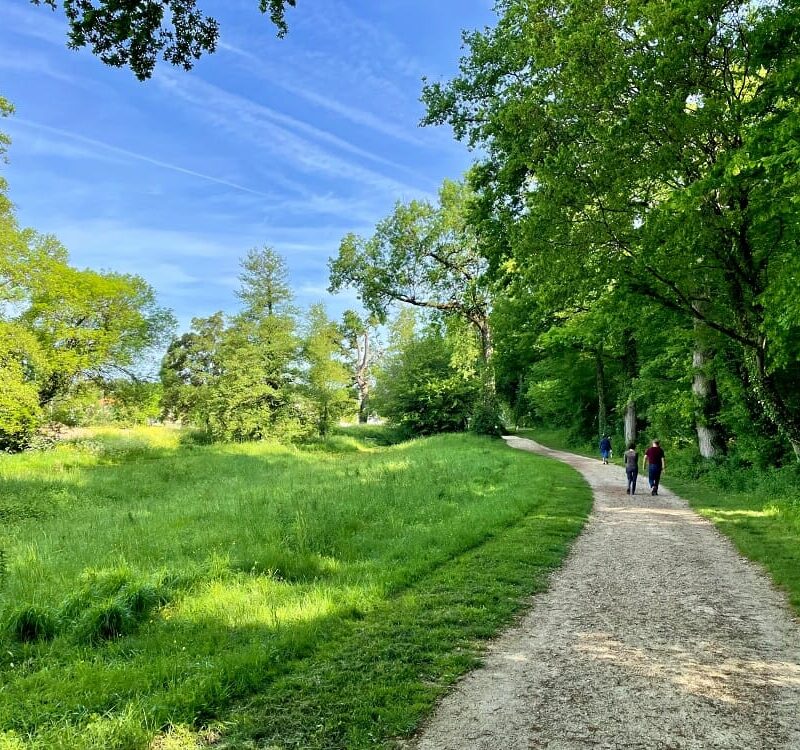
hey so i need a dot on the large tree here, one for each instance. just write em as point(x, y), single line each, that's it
point(89, 323)
point(651, 146)
point(133, 33)
point(326, 378)
point(423, 255)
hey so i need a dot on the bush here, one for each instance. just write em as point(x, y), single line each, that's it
point(487, 419)
point(424, 393)
point(20, 414)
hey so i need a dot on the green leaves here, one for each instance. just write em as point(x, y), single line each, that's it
point(421, 254)
point(647, 148)
point(327, 379)
point(134, 35)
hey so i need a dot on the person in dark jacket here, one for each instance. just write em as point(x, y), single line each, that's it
point(605, 448)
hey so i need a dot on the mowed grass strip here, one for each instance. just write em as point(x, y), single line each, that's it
point(277, 597)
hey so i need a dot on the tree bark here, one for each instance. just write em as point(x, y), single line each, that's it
point(630, 365)
point(710, 437)
point(363, 403)
point(487, 349)
point(485, 333)
point(630, 421)
point(362, 378)
point(602, 408)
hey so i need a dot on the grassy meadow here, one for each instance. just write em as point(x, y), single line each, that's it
point(759, 509)
point(159, 594)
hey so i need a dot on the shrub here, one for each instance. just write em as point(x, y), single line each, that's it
point(423, 392)
point(487, 418)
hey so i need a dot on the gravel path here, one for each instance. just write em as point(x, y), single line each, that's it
point(655, 634)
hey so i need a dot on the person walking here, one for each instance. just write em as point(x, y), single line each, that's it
point(655, 462)
point(631, 460)
point(605, 448)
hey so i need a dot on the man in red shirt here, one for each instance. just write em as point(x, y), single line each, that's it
point(655, 462)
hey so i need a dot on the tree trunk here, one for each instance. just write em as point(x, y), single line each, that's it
point(630, 421)
point(710, 438)
point(487, 349)
point(630, 365)
point(709, 435)
point(518, 403)
point(363, 403)
point(770, 399)
point(602, 408)
point(362, 378)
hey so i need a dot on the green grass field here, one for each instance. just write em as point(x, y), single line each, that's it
point(159, 594)
point(758, 509)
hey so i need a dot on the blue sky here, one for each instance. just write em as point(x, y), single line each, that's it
point(291, 143)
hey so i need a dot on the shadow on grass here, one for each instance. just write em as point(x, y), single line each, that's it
point(374, 679)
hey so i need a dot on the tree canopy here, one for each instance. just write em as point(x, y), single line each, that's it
point(645, 147)
point(134, 33)
point(423, 255)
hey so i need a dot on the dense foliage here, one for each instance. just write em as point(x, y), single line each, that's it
point(427, 384)
point(637, 202)
point(133, 34)
point(261, 373)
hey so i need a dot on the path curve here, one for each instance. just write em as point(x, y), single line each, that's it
point(655, 634)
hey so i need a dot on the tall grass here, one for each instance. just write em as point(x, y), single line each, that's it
point(156, 591)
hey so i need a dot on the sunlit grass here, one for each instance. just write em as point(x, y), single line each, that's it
point(153, 588)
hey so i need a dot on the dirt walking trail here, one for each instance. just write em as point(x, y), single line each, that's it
point(655, 634)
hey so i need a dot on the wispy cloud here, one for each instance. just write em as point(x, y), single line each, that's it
point(195, 272)
point(255, 65)
point(127, 154)
point(376, 54)
point(38, 23)
point(29, 62)
point(276, 133)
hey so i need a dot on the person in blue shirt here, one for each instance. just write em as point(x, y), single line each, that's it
point(605, 448)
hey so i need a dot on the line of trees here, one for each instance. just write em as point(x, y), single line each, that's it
point(623, 256)
point(268, 371)
point(638, 207)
